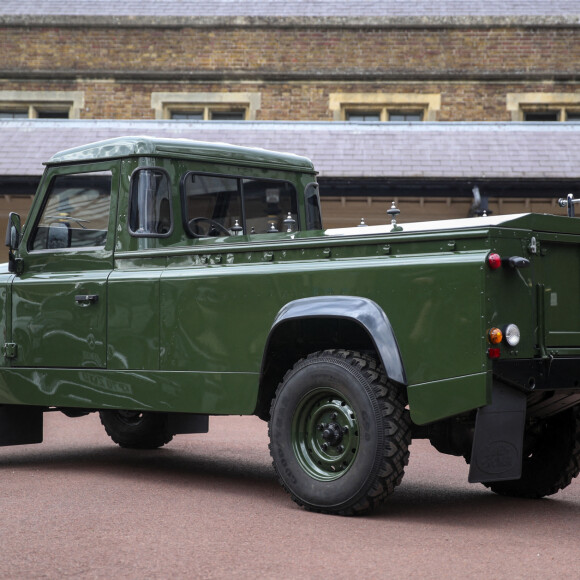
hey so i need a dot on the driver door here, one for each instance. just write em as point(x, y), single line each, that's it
point(59, 302)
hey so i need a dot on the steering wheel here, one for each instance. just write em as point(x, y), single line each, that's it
point(215, 225)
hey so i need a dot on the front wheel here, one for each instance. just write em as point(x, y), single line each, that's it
point(136, 429)
point(552, 460)
point(339, 433)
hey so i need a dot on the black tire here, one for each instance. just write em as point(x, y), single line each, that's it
point(137, 430)
point(322, 465)
point(553, 459)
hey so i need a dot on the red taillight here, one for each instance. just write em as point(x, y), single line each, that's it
point(493, 352)
point(494, 261)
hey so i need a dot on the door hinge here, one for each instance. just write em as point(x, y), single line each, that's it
point(10, 350)
point(15, 265)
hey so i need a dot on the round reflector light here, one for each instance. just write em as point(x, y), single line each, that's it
point(495, 335)
point(512, 334)
point(494, 261)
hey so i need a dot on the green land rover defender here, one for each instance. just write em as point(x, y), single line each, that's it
point(159, 282)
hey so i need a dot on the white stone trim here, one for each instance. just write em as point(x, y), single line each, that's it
point(34, 100)
point(162, 103)
point(518, 103)
point(430, 104)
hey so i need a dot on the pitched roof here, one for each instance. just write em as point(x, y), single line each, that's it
point(236, 11)
point(396, 150)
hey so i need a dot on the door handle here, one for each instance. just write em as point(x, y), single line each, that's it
point(86, 299)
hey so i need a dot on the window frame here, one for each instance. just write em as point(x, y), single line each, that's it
point(428, 104)
point(206, 112)
point(520, 104)
point(30, 250)
point(313, 211)
point(35, 102)
point(362, 112)
point(529, 113)
point(130, 204)
point(406, 112)
point(164, 104)
point(384, 113)
point(573, 111)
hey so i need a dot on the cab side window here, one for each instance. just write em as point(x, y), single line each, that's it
point(75, 214)
point(213, 205)
point(150, 213)
point(217, 205)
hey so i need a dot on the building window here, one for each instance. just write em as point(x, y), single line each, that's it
point(35, 111)
point(401, 107)
point(384, 114)
point(362, 116)
point(52, 114)
point(546, 116)
point(406, 116)
point(546, 107)
point(208, 114)
point(9, 114)
point(41, 104)
point(233, 115)
point(187, 115)
point(206, 106)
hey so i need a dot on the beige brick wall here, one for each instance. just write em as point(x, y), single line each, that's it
point(297, 100)
point(294, 70)
point(292, 50)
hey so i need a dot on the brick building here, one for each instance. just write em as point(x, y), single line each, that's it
point(296, 61)
point(342, 62)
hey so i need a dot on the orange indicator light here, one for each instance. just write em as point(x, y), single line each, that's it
point(494, 335)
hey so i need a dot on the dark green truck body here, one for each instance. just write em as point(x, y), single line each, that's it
point(185, 279)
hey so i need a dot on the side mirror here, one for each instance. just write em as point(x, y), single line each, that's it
point(13, 231)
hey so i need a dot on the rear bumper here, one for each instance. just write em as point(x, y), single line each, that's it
point(552, 384)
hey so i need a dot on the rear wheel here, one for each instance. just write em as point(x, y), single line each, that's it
point(339, 433)
point(553, 458)
point(136, 429)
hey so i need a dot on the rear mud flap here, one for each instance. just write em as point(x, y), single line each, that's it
point(497, 449)
point(20, 425)
point(183, 423)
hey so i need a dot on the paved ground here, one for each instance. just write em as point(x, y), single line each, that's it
point(208, 506)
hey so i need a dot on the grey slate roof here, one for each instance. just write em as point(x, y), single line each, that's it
point(188, 10)
point(425, 150)
point(292, 7)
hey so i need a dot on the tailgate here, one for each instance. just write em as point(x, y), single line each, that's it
point(559, 291)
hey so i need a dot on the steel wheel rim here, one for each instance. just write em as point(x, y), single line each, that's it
point(325, 434)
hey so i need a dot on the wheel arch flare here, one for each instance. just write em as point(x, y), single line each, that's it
point(309, 324)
